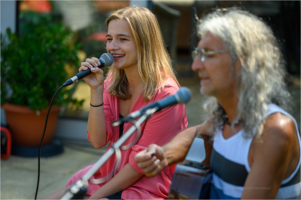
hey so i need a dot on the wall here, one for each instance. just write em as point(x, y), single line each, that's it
point(8, 20)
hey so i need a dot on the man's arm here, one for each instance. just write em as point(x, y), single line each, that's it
point(274, 156)
point(155, 158)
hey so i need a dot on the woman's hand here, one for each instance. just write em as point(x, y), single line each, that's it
point(95, 79)
point(151, 160)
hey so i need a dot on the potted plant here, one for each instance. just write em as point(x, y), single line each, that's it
point(32, 69)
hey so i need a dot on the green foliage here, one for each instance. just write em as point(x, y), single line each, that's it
point(32, 64)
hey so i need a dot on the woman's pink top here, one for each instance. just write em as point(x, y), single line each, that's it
point(159, 129)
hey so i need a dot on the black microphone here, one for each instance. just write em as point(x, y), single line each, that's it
point(105, 59)
point(183, 95)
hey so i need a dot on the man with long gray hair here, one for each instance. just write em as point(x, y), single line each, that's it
point(252, 142)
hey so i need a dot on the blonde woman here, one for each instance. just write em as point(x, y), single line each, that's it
point(141, 73)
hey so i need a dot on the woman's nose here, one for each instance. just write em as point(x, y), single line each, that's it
point(112, 45)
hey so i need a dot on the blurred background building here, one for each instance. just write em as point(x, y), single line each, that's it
point(177, 20)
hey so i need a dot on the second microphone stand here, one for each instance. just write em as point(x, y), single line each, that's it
point(79, 189)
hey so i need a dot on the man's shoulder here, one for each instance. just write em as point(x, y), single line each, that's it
point(276, 151)
point(279, 133)
point(203, 129)
point(279, 125)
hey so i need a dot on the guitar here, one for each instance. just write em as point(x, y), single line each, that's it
point(189, 175)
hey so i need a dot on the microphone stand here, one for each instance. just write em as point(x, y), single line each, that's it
point(79, 189)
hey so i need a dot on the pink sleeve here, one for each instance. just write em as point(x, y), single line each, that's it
point(161, 127)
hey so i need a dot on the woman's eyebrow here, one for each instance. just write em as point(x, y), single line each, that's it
point(119, 35)
point(124, 35)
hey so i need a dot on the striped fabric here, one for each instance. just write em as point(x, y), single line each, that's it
point(229, 162)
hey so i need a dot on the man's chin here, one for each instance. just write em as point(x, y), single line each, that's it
point(205, 92)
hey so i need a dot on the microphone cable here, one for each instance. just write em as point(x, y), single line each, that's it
point(106, 59)
point(39, 155)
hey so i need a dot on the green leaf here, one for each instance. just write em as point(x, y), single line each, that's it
point(33, 63)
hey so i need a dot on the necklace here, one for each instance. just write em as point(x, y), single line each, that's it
point(226, 120)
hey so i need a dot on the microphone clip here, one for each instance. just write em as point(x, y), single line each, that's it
point(148, 113)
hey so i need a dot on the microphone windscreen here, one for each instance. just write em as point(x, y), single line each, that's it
point(107, 58)
point(184, 95)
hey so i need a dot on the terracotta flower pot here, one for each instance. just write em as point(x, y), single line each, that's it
point(27, 127)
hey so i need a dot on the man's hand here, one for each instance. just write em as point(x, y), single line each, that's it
point(151, 160)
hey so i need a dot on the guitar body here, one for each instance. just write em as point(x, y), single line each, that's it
point(187, 182)
point(188, 177)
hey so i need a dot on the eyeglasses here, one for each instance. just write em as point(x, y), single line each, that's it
point(203, 53)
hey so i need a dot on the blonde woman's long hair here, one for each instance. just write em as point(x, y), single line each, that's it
point(262, 72)
point(154, 63)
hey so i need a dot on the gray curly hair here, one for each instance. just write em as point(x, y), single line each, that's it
point(262, 73)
